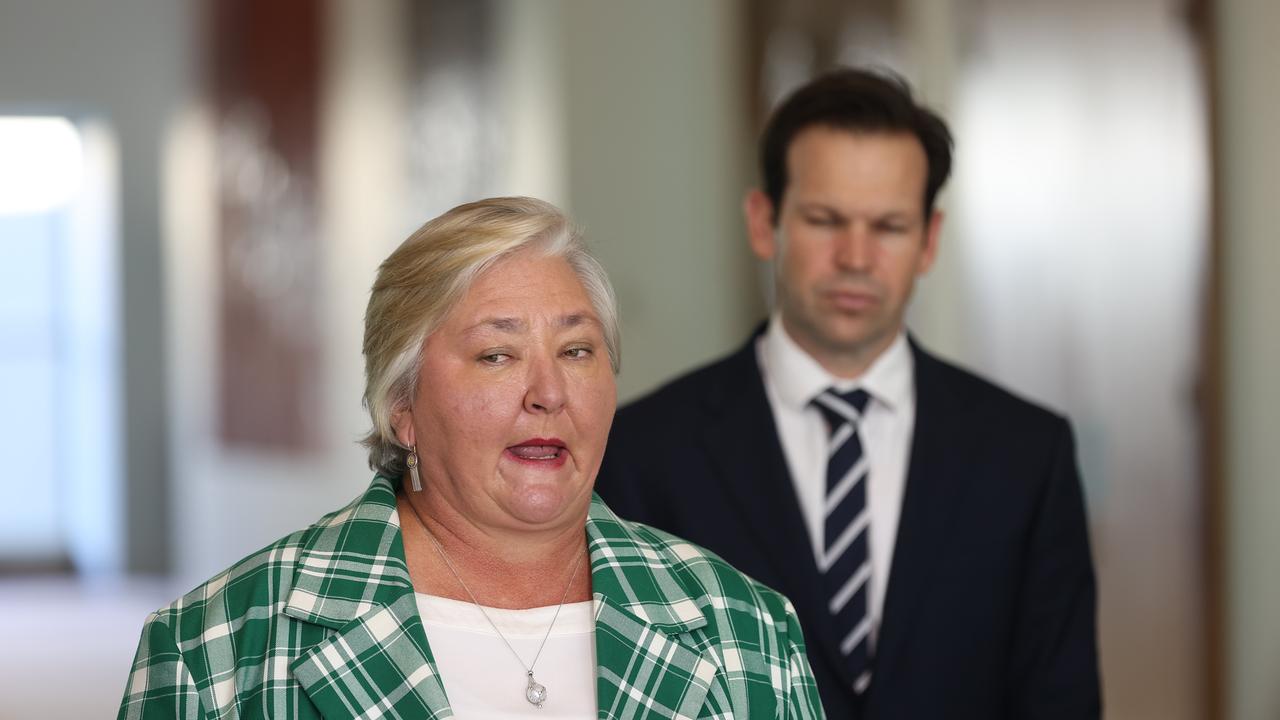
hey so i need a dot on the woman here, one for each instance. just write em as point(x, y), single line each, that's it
point(478, 575)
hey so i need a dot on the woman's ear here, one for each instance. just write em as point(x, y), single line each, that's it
point(402, 424)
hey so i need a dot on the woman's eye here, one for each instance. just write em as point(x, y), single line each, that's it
point(578, 353)
point(495, 358)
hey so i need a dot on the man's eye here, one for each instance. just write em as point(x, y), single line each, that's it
point(578, 353)
point(495, 358)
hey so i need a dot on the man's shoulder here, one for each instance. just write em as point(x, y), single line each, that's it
point(705, 387)
point(996, 403)
point(699, 390)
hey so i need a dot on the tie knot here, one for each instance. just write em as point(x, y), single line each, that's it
point(841, 408)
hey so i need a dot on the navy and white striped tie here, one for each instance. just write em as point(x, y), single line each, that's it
point(846, 562)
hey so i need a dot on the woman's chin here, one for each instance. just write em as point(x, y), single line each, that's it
point(543, 503)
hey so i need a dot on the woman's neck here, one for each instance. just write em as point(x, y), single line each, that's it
point(449, 555)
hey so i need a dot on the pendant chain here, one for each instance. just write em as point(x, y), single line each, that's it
point(449, 564)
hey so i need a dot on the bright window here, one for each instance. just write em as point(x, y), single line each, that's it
point(59, 426)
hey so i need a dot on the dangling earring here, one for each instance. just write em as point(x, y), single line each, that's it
point(412, 462)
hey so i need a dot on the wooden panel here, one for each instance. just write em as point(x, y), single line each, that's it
point(265, 68)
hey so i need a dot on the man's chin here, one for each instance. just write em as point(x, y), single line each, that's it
point(841, 334)
point(850, 333)
point(858, 339)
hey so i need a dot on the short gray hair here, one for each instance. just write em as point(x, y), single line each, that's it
point(419, 283)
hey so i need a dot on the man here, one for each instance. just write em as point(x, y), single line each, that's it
point(928, 526)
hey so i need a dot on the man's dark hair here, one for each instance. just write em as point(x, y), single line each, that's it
point(858, 101)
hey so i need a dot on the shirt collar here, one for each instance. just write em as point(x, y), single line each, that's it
point(798, 378)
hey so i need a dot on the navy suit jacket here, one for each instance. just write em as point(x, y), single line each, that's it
point(990, 608)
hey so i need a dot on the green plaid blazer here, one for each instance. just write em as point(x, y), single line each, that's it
point(324, 623)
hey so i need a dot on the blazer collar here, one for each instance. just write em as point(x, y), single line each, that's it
point(351, 576)
point(629, 572)
point(353, 561)
point(646, 622)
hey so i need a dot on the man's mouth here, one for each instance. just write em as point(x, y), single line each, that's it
point(852, 300)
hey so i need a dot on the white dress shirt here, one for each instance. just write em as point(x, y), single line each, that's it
point(792, 378)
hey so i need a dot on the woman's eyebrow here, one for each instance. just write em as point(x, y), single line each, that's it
point(513, 325)
point(501, 324)
point(576, 319)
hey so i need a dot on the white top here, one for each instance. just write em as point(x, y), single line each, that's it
point(484, 680)
point(792, 378)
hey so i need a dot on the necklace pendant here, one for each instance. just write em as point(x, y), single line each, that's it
point(535, 693)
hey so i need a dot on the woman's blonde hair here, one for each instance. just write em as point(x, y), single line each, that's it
point(419, 283)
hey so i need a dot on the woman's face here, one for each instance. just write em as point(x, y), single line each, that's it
point(515, 398)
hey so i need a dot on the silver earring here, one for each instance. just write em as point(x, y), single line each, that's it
point(412, 461)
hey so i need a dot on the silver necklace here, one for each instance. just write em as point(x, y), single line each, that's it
point(534, 692)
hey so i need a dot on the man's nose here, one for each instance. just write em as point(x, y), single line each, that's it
point(855, 248)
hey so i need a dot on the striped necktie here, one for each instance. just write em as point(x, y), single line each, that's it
point(846, 562)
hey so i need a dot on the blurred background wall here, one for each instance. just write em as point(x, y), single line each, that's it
point(1109, 250)
point(1248, 115)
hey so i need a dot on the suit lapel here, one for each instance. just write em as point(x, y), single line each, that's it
point(936, 480)
point(642, 670)
point(742, 441)
point(646, 665)
point(352, 578)
point(378, 664)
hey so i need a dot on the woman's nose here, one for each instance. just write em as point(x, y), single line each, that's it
point(546, 392)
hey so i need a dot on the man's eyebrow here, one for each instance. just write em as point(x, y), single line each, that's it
point(888, 215)
point(812, 206)
point(898, 215)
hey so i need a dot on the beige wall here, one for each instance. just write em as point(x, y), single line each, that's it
point(1249, 120)
point(657, 162)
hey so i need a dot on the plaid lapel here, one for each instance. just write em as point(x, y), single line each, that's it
point(352, 578)
point(644, 666)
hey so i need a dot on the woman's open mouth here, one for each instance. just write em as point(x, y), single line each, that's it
point(539, 452)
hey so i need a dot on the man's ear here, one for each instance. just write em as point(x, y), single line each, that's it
point(402, 424)
point(931, 235)
point(758, 210)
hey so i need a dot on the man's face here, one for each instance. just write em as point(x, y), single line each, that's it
point(851, 238)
